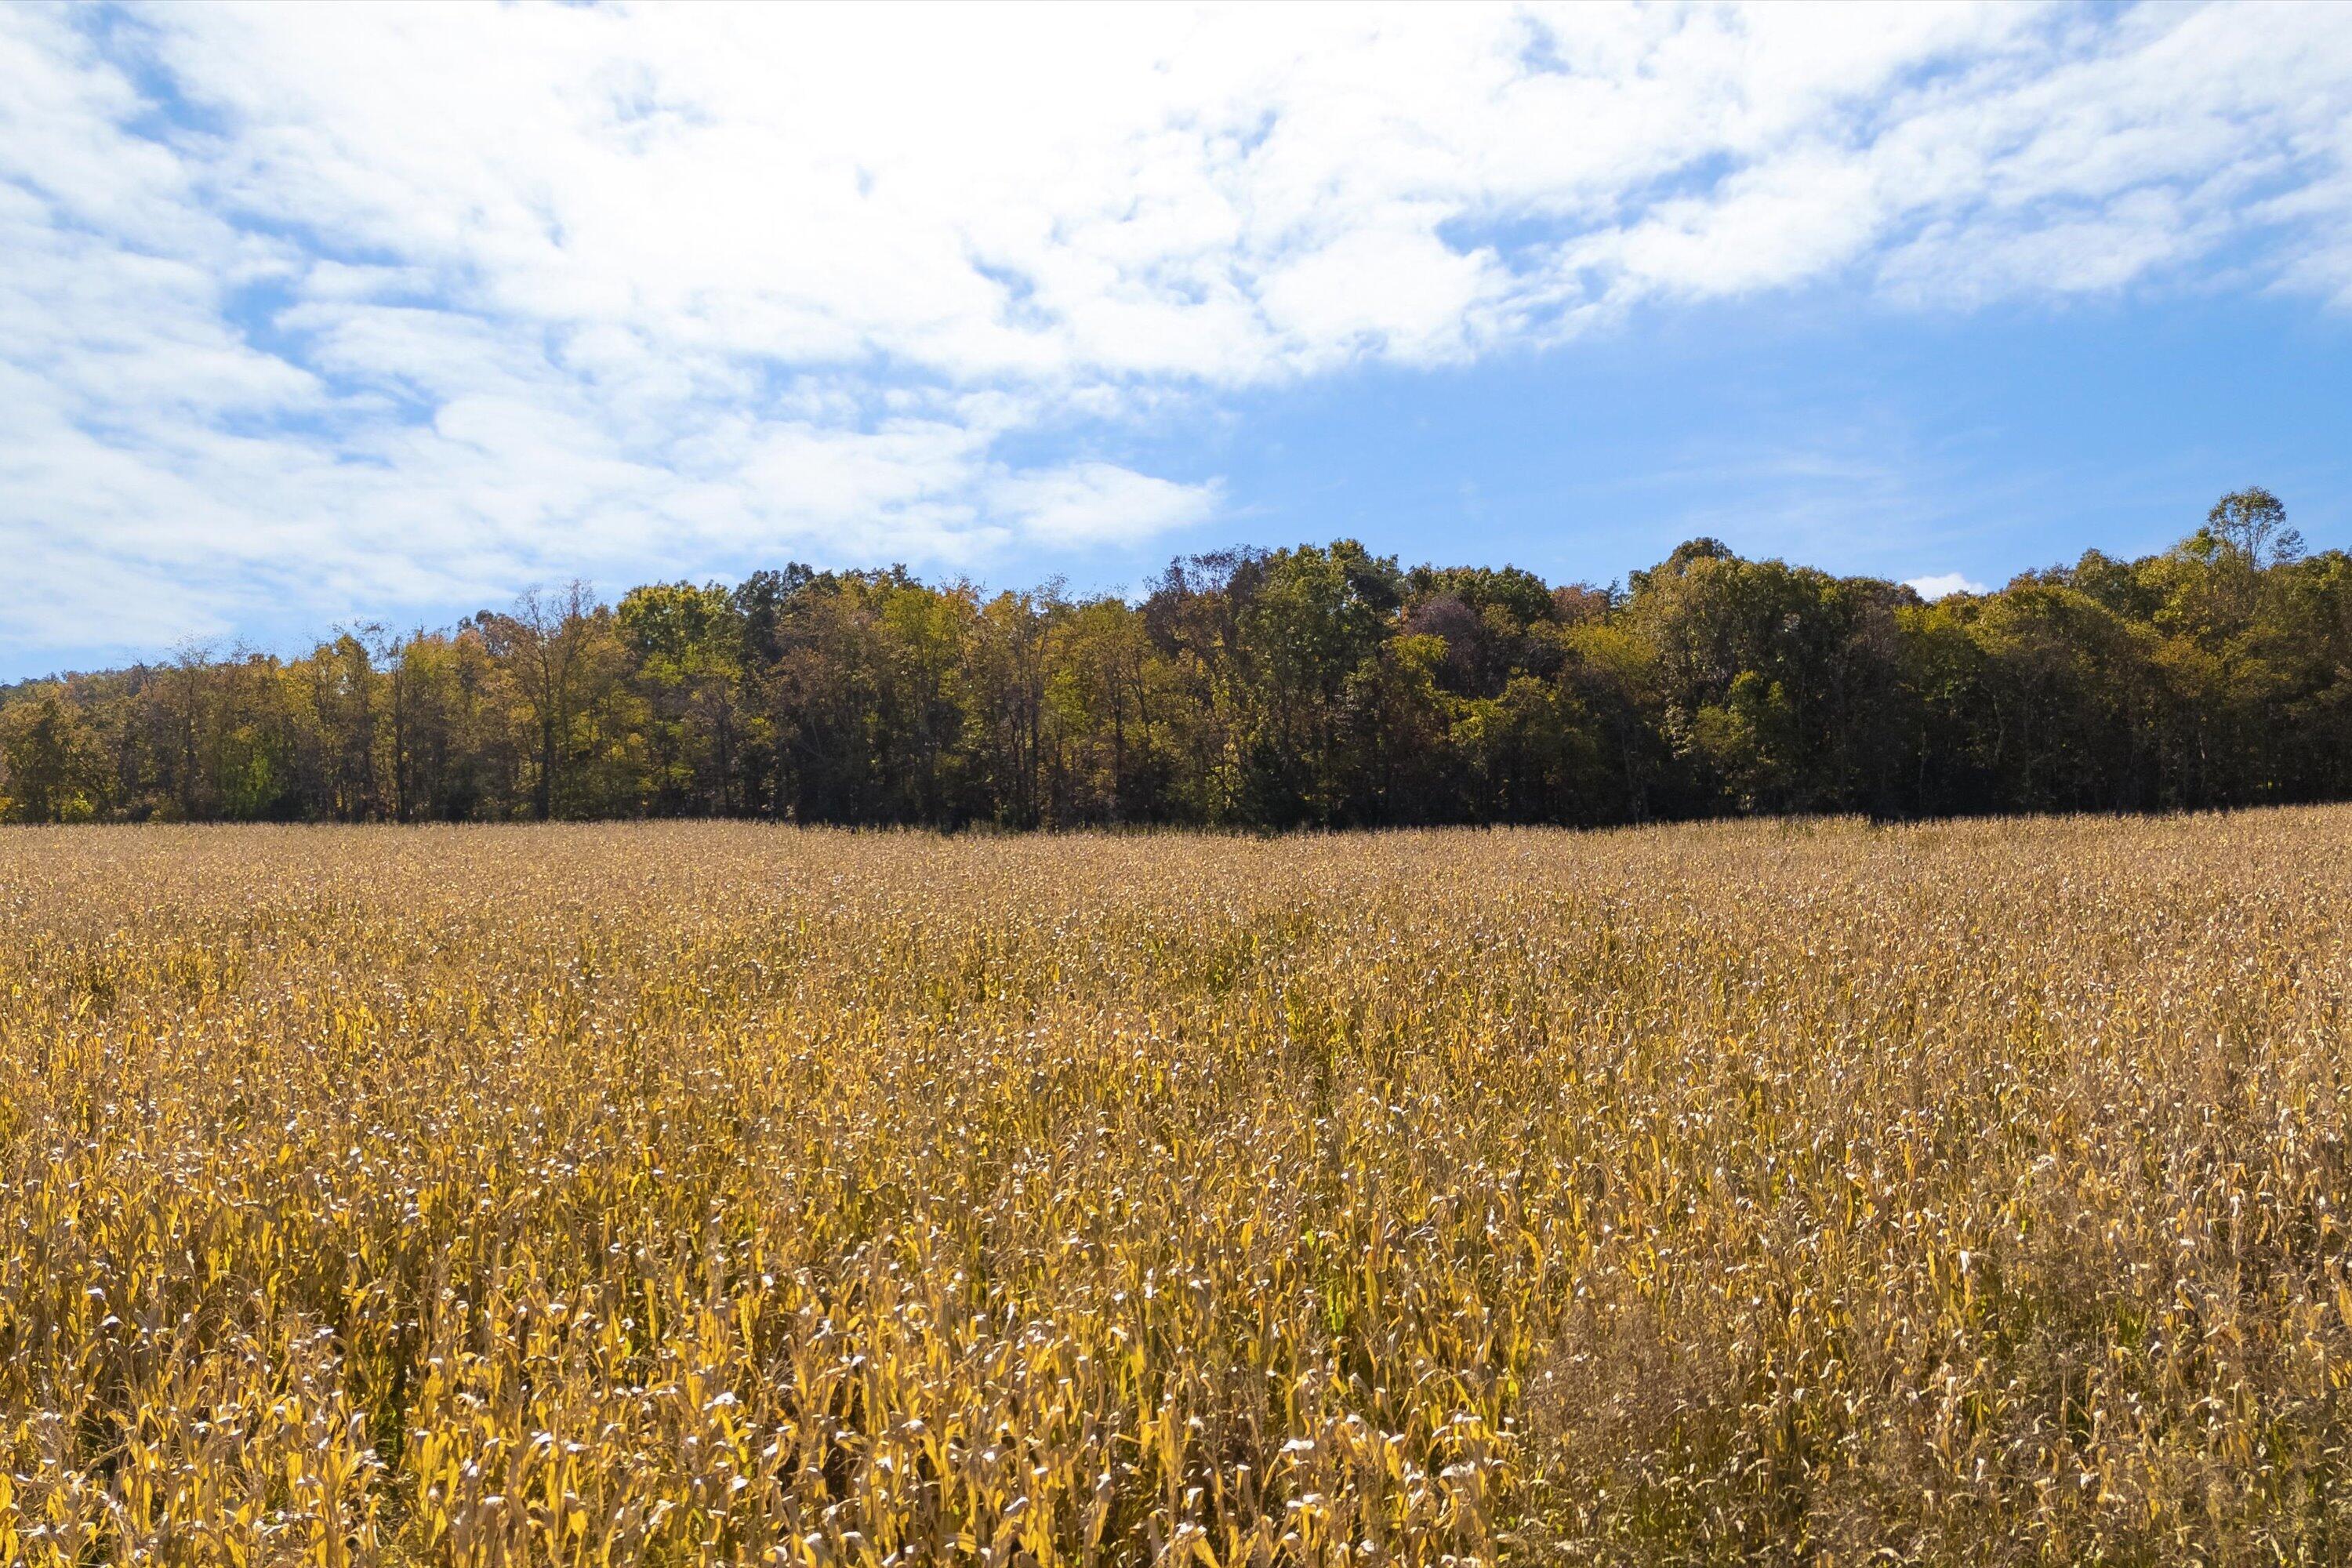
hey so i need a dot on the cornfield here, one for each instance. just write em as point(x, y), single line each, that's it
point(717, 1194)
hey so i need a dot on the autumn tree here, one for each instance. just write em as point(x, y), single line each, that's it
point(1317, 686)
point(52, 768)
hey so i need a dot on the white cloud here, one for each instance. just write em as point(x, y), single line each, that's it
point(398, 304)
point(1090, 504)
point(1943, 584)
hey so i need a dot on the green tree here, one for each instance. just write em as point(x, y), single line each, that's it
point(686, 648)
point(1320, 685)
point(1310, 619)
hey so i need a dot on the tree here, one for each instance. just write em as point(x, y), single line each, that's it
point(2253, 524)
point(545, 642)
point(1316, 686)
point(1312, 619)
point(345, 695)
point(52, 768)
point(685, 650)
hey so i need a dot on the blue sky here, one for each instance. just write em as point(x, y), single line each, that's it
point(310, 315)
point(1863, 440)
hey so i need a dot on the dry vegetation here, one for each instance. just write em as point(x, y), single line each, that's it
point(722, 1193)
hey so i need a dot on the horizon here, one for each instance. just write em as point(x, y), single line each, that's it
point(375, 314)
point(302, 644)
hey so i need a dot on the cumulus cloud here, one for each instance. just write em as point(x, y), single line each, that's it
point(1943, 584)
point(1088, 504)
point(357, 307)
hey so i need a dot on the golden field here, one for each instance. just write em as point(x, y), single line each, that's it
point(709, 1194)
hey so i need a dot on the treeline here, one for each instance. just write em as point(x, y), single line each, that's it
point(1322, 686)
